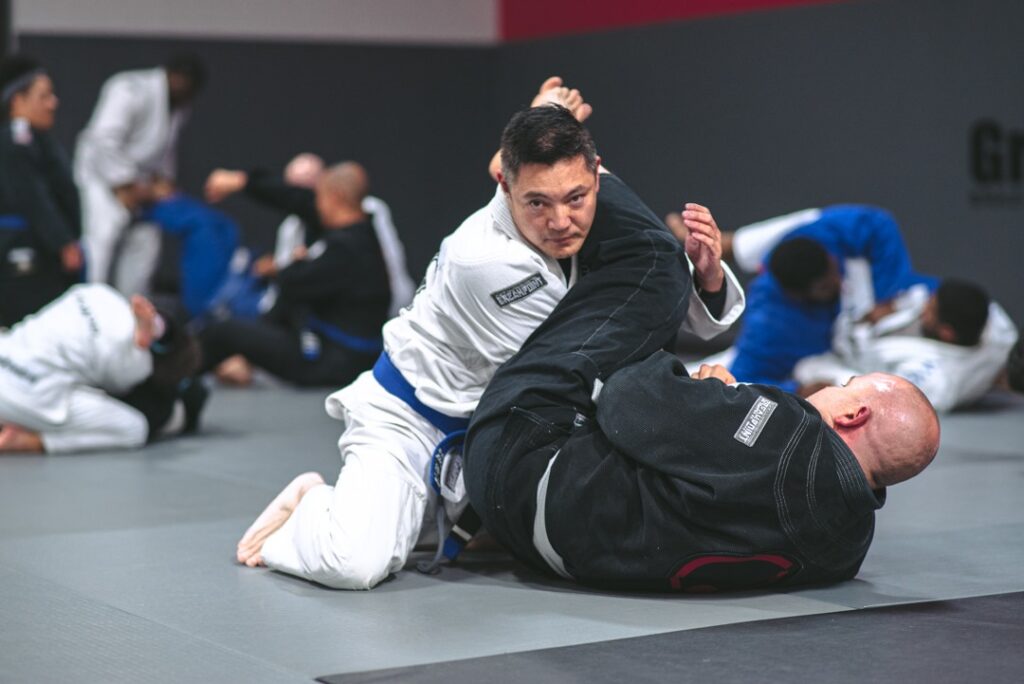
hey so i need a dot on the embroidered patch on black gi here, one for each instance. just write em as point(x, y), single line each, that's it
point(757, 418)
point(521, 290)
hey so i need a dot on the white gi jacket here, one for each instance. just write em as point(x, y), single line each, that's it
point(131, 136)
point(950, 375)
point(58, 366)
point(484, 293)
point(132, 133)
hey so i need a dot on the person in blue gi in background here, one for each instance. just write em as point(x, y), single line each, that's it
point(820, 262)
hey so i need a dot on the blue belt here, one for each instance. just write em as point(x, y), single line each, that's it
point(454, 429)
point(391, 379)
point(12, 222)
point(367, 345)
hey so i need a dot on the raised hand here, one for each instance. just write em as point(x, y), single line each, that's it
point(696, 229)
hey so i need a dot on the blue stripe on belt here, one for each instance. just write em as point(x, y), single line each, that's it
point(13, 222)
point(391, 379)
point(367, 345)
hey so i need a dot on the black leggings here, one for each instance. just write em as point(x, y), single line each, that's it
point(278, 350)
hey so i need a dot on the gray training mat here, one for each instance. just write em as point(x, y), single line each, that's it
point(120, 567)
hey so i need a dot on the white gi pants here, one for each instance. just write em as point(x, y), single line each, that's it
point(356, 533)
point(104, 224)
point(95, 420)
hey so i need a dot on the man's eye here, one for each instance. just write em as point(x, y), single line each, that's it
point(576, 200)
point(536, 204)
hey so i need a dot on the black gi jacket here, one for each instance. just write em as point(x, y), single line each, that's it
point(35, 185)
point(667, 493)
point(346, 286)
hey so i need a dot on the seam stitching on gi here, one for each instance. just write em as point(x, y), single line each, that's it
point(656, 259)
point(780, 478)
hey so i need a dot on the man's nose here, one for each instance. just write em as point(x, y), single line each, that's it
point(561, 219)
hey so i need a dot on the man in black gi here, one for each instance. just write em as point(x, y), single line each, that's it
point(596, 456)
point(333, 299)
point(39, 209)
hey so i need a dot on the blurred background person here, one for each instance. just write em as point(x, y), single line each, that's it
point(130, 142)
point(39, 210)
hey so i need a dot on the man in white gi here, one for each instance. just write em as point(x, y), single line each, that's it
point(59, 368)
point(494, 280)
point(952, 343)
point(130, 141)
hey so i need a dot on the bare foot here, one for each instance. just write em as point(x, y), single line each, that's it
point(18, 440)
point(234, 370)
point(273, 517)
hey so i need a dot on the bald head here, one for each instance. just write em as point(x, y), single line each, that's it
point(887, 422)
point(347, 180)
point(340, 191)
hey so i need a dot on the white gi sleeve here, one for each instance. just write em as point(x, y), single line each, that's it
point(825, 367)
point(751, 243)
point(699, 320)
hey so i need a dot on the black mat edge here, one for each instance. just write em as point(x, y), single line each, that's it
point(958, 640)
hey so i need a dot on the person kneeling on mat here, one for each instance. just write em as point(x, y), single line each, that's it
point(92, 370)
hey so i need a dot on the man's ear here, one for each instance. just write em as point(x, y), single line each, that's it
point(853, 419)
point(503, 182)
point(945, 333)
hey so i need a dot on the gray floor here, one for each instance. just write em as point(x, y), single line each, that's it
point(118, 567)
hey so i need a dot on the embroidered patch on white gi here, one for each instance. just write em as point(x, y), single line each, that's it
point(521, 290)
point(757, 418)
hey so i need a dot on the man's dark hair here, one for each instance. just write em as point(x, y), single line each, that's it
point(797, 263)
point(963, 306)
point(189, 65)
point(544, 135)
point(13, 68)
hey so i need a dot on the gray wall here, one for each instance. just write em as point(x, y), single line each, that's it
point(419, 118)
point(765, 113)
point(754, 115)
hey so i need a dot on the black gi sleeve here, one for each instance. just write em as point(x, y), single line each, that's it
point(332, 272)
point(43, 213)
point(272, 191)
point(61, 182)
point(714, 301)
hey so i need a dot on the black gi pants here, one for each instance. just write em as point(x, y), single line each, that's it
point(629, 304)
point(27, 294)
point(278, 350)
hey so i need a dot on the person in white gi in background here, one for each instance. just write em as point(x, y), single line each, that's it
point(131, 140)
point(493, 282)
point(952, 343)
point(59, 367)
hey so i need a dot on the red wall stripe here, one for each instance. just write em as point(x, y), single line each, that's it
point(522, 19)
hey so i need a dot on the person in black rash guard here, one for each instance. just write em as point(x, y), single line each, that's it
point(40, 224)
point(324, 328)
point(594, 455)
